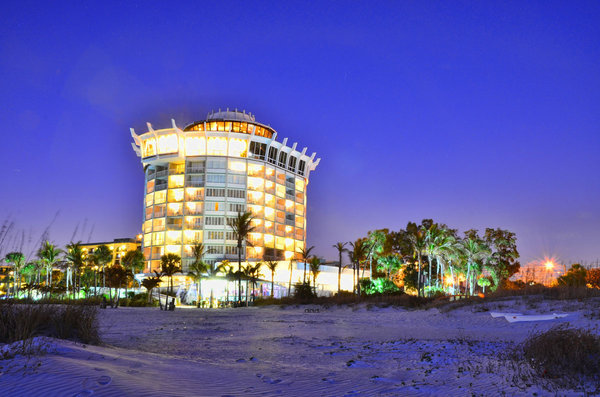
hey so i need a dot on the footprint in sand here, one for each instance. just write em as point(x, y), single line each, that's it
point(104, 380)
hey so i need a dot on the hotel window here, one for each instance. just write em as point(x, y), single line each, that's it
point(214, 249)
point(175, 195)
point(236, 179)
point(167, 144)
point(301, 167)
point(282, 159)
point(193, 208)
point(174, 209)
point(176, 168)
point(150, 186)
point(238, 147)
point(195, 146)
point(231, 250)
point(244, 127)
point(258, 150)
point(194, 194)
point(157, 252)
point(213, 192)
point(220, 126)
point(161, 184)
point(149, 147)
point(251, 128)
point(230, 236)
point(235, 127)
point(160, 197)
point(216, 163)
point(216, 146)
point(214, 235)
point(159, 211)
point(292, 165)
point(149, 199)
point(195, 167)
point(193, 222)
point(174, 223)
point(148, 212)
point(255, 170)
point(194, 181)
point(228, 126)
point(215, 178)
point(237, 165)
point(237, 207)
point(158, 224)
point(176, 181)
point(212, 126)
point(236, 193)
point(273, 155)
point(214, 221)
point(158, 238)
point(214, 206)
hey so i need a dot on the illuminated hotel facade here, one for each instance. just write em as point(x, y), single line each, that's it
point(198, 176)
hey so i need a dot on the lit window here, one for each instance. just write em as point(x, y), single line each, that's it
point(167, 144)
point(255, 183)
point(300, 185)
point(175, 195)
point(176, 181)
point(236, 165)
point(149, 147)
point(217, 146)
point(160, 197)
point(195, 146)
point(237, 147)
point(173, 249)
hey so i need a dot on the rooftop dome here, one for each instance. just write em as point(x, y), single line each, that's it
point(234, 115)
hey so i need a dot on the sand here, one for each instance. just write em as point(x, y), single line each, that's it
point(337, 351)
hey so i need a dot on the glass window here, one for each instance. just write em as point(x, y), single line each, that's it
point(149, 148)
point(160, 197)
point(216, 146)
point(167, 144)
point(237, 147)
point(195, 146)
point(235, 127)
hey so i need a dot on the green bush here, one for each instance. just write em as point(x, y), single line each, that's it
point(378, 286)
point(303, 292)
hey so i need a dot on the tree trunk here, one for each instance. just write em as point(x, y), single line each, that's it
point(198, 290)
point(240, 272)
point(419, 274)
point(340, 274)
point(290, 283)
point(273, 285)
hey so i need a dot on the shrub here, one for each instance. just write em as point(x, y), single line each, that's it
point(24, 321)
point(303, 292)
point(378, 286)
point(593, 278)
point(564, 354)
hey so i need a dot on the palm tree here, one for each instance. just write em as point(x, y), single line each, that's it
point(305, 254)
point(252, 274)
point(131, 262)
point(74, 256)
point(197, 270)
point(475, 252)
point(242, 227)
point(211, 271)
point(48, 254)
point(356, 256)
point(170, 264)
point(340, 248)
point(291, 273)
point(272, 266)
point(150, 283)
point(17, 259)
point(103, 256)
point(315, 265)
point(416, 236)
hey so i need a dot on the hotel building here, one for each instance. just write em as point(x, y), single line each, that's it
point(198, 176)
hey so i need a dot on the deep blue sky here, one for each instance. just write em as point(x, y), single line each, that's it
point(474, 114)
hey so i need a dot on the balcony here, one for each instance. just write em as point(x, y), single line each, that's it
point(195, 170)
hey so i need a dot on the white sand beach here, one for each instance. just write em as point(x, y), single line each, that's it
point(337, 351)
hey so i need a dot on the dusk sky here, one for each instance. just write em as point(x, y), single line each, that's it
point(475, 114)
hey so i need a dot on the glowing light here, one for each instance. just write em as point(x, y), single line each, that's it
point(237, 147)
point(255, 183)
point(288, 255)
point(172, 249)
point(195, 146)
point(167, 144)
point(239, 166)
point(176, 181)
point(149, 148)
point(217, 146)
